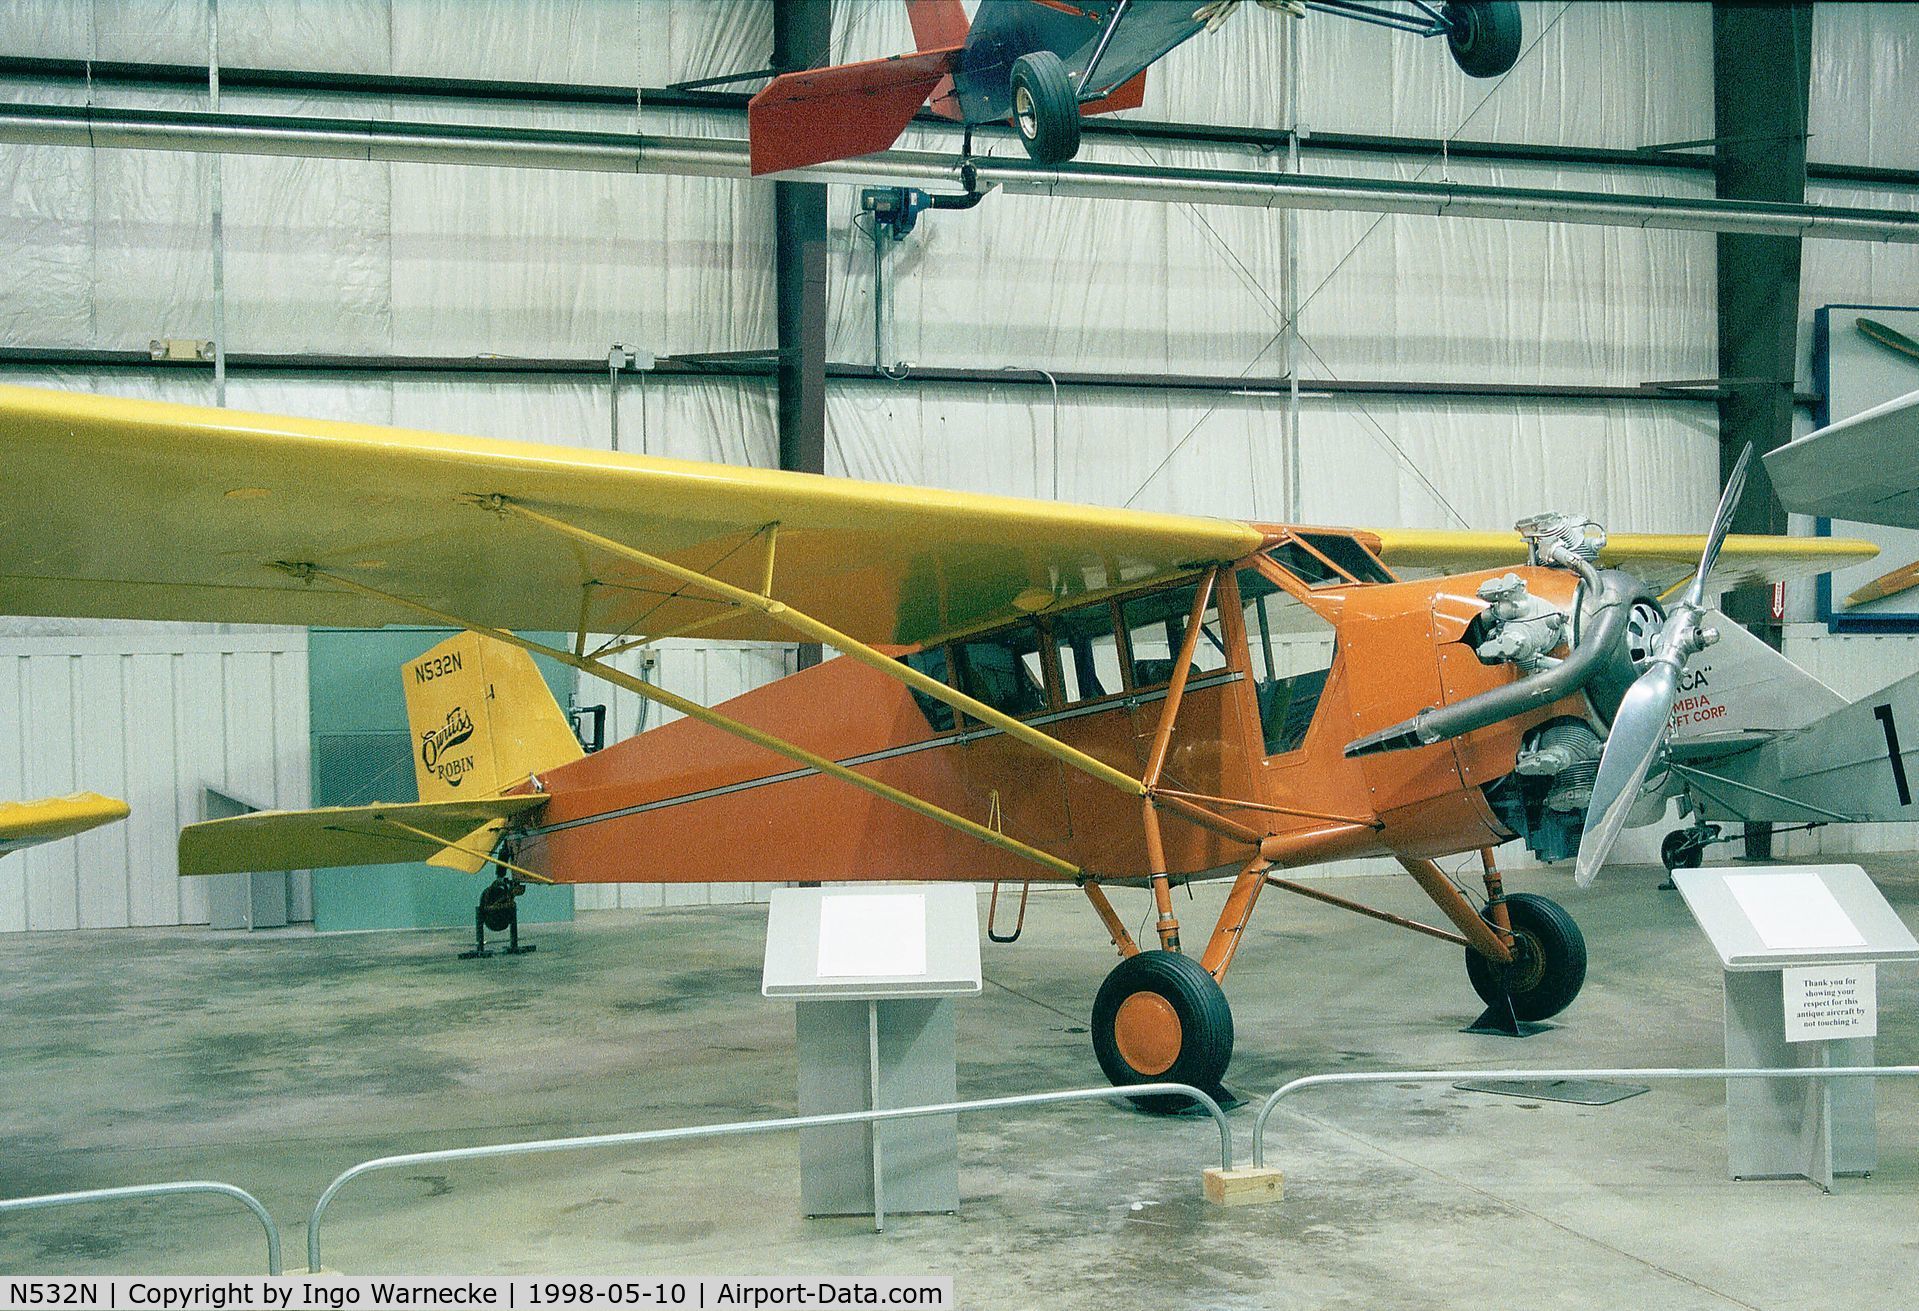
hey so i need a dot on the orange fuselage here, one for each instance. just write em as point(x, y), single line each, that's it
point(686, 802)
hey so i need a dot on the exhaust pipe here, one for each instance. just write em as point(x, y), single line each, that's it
point(1604, 640)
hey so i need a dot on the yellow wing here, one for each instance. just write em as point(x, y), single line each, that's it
point(339, 835)
point(134, 509)
point(29, 823)
point(1662, 559)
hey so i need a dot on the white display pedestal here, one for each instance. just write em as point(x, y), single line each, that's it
point(873, 973)
point(1824, 929)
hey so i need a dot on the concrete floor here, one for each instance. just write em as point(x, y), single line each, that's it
point(275, 1060)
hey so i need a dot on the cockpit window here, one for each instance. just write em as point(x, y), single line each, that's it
point(1156, 626)
point(933, 664)
point(1289, 655)
point(1303, 565)
point(1088, 653)
point(1349, 555)
point(1003, 669)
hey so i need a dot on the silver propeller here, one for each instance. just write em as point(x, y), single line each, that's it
point(1645, 712)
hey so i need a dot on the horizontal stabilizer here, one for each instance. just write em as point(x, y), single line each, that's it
point(340, 835)
point(29, 823)
point(836, 113)
point(1865, 468)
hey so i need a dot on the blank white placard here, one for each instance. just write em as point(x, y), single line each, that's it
point(863, 936)
point(1794, 912)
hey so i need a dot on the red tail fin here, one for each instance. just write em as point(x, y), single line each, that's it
point(937, 24)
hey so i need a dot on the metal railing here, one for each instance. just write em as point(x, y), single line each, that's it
point(740, 1127)
point(159, 1190)
point(1662, 1075)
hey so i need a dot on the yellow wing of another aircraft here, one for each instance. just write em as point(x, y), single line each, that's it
point(1662, 559)
point(29, 823)
point(135, 509)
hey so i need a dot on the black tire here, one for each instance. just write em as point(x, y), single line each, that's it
point(1204, 1034)
point(1549, 965)
point(1681, 849)
point(496, 905)
point(1484, 36)
point(1045, 107)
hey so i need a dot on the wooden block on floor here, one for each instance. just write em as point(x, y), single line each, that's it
point(1243, 1185)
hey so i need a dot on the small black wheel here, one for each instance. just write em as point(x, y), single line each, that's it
point(1484, 35)
point(496, 904)
point(1682, 849)
point(1161, 1018)
point(1549, 960)
point(1045, 108)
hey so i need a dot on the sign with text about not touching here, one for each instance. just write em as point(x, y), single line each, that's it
point(1831, 1001)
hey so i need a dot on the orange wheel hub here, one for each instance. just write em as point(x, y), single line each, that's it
point(1147, 1031)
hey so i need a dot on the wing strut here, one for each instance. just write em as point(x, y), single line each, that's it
point(812, 630)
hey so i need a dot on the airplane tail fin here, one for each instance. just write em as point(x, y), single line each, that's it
point(482, 722)
point(1857, 764)
point(822, 114)
point(937, 24)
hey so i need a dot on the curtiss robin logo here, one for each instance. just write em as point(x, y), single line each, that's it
point(435, 745)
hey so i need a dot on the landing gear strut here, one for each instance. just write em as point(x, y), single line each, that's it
point(499, 910)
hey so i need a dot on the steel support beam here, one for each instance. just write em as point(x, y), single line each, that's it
point(1762, 70)
point(765, 365)
point(384, 86)
point(802, 37)
point(407, 142)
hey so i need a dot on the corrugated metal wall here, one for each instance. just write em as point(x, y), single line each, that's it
point(153, 717)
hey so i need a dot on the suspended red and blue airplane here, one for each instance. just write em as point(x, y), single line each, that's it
point(1044, 63)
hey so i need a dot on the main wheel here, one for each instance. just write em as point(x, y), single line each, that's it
point(1045, 107)
point(1161, 1018)
point(1681, 849)
point(1549, 960)
point(1484, 35)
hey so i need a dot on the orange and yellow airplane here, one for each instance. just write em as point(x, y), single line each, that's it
point(1024, 690)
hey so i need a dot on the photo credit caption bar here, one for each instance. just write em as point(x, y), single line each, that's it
point(375, 1293)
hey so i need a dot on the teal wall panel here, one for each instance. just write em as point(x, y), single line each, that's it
point(363, 752)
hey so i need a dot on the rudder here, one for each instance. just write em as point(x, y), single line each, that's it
point(482, 719)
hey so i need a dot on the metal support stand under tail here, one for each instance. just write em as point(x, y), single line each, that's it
point(499, 910)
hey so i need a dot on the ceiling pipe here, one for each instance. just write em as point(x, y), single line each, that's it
point(422, 143)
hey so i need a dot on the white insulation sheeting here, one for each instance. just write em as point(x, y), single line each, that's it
point(1865, 100)
point(154, 718)
point(1364, 461)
